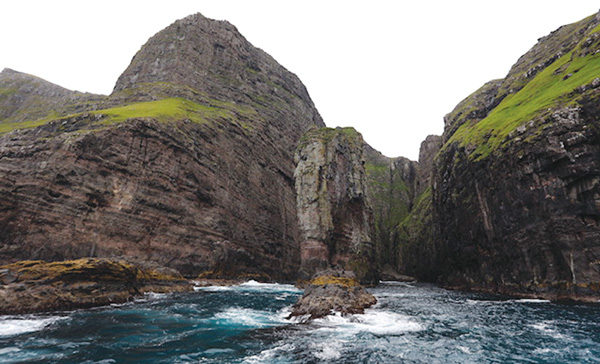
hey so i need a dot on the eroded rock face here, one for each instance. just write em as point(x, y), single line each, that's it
point(26, 98)
point(391, 186)
point(207, 188)
point(335, 217)
point(37, 286)
point(516, 198)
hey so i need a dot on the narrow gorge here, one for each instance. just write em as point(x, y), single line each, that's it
point(210, 159)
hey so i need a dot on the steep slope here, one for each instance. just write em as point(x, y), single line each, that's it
point(27, 100)
point(391, 188)
point(335, 216)
point(516, 195)
point(189, 163)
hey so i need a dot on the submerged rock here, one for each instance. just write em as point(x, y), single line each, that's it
point(329, 293)
point(38, 286)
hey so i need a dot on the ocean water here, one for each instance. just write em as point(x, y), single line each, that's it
point(412, 323)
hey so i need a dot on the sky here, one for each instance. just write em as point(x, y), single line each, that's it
point(389, 68)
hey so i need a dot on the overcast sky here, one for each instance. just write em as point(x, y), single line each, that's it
point(391, 69)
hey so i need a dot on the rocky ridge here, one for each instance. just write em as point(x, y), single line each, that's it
point(189, 163)
point(514, 199)
point(27, 100)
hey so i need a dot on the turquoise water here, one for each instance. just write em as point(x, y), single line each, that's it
point(247, 324)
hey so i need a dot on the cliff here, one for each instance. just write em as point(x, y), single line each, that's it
point(516, 194)
point(391, 189)
point(189, 163)
point(27, 101)
point(334, 213)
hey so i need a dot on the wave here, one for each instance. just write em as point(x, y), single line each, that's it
point(531, 300)
point(373, 321)
point(274, 355)
point(11, 326)
point(253, 286)
point(504, 302)
point(548, 328)
point(238, 317)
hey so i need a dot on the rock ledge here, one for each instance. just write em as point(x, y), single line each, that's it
point(38, 286)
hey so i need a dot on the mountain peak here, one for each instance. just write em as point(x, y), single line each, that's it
point(213, 58)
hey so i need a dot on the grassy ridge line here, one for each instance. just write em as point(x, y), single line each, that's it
point(551, 88)
point(165, 110)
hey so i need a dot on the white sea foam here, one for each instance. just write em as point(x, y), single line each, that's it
point(546, 327)
point(253, 286)
point(269, 356)
point(329, 350)
point(546, 351)
point(269, 287)
point(10, 326)
point(247, 317)
point(504, 302)
point(9, 350)
point(531, 300)
point(213, 288)
point(374, 321)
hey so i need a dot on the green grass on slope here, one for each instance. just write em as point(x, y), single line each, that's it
point(549, 89)
point(165, 110)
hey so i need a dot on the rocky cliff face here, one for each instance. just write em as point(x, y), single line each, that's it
point(391, 185)
point(417, 232)
point(27, 100)
point(335, 216)
point(188, 163)
point(516, 193)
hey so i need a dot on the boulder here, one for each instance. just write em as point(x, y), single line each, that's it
point(327, 294)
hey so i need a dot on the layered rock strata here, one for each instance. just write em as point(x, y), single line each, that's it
point(37, 286)
point(391, 190)
point(189, 163)
point(335, 217)
point(516, 197)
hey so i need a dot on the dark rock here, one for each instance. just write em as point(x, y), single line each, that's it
point(515, 198)
point(37, 286)
point(208, 187)
point(7, 277)
point(332, 292)
point(335, 216)
point(26, 98)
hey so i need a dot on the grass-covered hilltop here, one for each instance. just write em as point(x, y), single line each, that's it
point(210, 159)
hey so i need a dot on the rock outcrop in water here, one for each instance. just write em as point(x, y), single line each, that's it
point(37, 286)
point(335, 216)
point(189, 163)
point(332, 292)
point(515, 203)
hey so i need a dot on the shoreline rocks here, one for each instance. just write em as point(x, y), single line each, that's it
point(328, 293)
point(38, 286)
